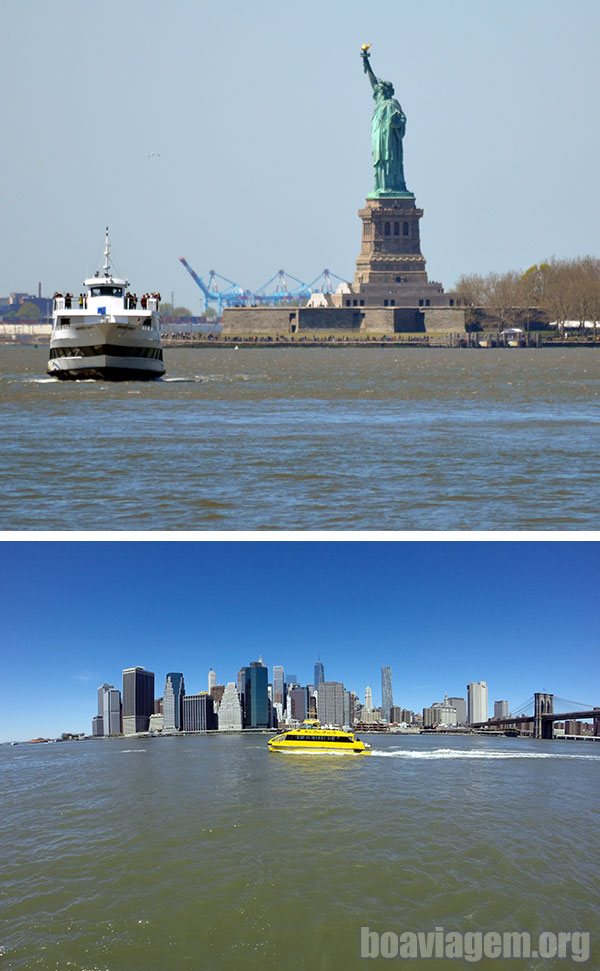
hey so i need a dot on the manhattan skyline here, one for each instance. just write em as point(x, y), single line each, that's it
point(520, 616)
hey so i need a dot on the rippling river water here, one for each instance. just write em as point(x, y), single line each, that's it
point(212, 853)
point(306, 439)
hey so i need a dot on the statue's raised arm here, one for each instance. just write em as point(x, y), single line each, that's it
point(367, 64)
point(388, 125)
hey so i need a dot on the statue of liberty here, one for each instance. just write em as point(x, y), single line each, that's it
point(388, 128)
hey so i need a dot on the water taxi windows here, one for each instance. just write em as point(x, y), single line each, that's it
point(107, 291)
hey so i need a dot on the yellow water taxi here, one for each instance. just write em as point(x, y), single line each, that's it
point(311, 737)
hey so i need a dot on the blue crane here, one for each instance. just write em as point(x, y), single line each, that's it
point(233, 295)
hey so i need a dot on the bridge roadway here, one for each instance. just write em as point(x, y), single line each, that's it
point(554, 717)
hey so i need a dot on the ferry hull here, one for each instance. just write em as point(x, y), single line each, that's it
point(105, 372)
point(105, 350)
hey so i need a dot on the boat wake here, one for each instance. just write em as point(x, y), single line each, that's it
point(195, 380)
point(450, 753)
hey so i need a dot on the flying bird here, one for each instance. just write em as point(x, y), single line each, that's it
point(153, 155)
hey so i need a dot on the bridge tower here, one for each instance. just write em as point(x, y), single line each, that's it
point(543, 705)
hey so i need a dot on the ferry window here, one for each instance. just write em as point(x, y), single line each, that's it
point(386, 229)
point(107, 291)
point(405, 229)
point(396, 229)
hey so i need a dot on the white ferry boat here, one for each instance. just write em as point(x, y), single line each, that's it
point(106, 332)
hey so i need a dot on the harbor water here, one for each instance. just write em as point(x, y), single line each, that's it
point(210, 852)
point(380, 438)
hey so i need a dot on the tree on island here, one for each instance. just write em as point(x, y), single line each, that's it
point(560, 290)
point(168, 310)
point(28, 311)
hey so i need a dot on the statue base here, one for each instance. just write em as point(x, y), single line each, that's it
point(390, 268)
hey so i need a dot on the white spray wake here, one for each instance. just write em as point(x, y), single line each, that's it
point(450, 753)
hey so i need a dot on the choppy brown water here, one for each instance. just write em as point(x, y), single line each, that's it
point(306, 439)
point(211, 854)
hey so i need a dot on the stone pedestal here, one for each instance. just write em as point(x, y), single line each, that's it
point(390, 269)
point(390, 252)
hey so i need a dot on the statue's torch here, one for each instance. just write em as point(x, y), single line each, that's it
point(365, 56)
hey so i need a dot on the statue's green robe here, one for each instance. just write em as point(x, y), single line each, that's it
point(388, 128)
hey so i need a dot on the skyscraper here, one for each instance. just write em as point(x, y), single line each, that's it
point(319, 674)
point(330, 703)
point(477, 702)
point(501, 709)
point(461, 710)
point(198, 713)
point(298, 704)
point(387, 700)
point(138, 700)
point(256, 697)
point(173, 696)
point(230, 710)
point(368, 699)
point(111, 710)
point(101, 691)
point(278, 680)
point(212, 679)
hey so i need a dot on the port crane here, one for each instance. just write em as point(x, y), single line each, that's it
point(232, 296)
point(282, 287)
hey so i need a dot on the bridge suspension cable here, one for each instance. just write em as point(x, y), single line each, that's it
point(524, 709)
point(565, 705)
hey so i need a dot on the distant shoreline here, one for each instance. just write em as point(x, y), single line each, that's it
point(451, 341)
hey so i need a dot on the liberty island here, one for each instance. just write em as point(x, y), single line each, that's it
point(391, 292)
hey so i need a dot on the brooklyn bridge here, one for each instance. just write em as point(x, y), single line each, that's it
point(537, 716)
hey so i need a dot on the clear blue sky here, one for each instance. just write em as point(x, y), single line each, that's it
point(261, 115)
point(523, 616)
